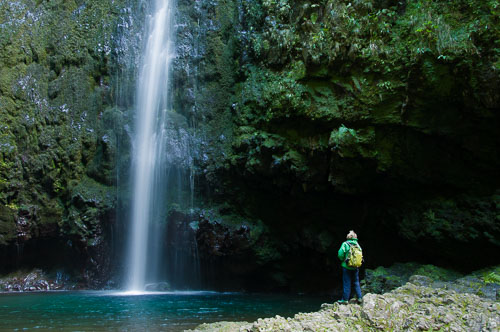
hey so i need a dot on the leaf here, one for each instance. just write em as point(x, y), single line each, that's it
point(356, 83)
point(314, 18)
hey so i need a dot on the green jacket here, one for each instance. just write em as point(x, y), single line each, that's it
point(344, 250)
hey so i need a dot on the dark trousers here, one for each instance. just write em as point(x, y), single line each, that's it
point(348, 277)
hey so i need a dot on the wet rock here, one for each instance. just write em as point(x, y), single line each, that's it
point(220, 240)
point(222, 326)
point(420, 280)
point(158, 287)
point(36, 280)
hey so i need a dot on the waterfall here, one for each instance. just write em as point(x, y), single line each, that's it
point(148, 161)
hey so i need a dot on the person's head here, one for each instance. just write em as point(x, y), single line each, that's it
point(351, 235)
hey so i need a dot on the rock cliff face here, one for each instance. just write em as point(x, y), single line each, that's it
point(306, 119)
point(59, 134)
point(318, 117)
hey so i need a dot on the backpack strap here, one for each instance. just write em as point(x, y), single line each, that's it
point(347, 253)
point(353, 244)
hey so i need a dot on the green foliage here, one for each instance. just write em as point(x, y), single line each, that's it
point(492, 278)
point(436, 273)
point(266, 252)
point(8, 231)
point(461, 219)
point(383, 38)
point(490, 275)
point(383, 279)
point(343, 136)
point(268, 96)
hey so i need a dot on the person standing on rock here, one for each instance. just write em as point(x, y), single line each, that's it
point(351, 256)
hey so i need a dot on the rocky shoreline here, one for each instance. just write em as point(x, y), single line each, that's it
point(408, 308)
point(421, 304)
point(37, 280)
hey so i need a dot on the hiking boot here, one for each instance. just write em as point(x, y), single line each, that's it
point(342, 302)
point(360, 301)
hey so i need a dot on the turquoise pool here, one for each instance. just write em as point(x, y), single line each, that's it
point(113, 311)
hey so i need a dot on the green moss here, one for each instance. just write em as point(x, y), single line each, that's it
point(449, 219)
point(437, 273)
point(266, 252)
point(343, 136)
point(326, 240)
point(90, 190)
point(267, 96)
point(8, 229)
point(379, 271)
point(298, 70)
point(53, 76)
point(51, 213)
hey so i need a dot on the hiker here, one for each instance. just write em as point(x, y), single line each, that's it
point(351, 256)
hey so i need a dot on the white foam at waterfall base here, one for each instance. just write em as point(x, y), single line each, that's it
point(147, 293)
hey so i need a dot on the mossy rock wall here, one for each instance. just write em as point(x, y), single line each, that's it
point(317, 117)
point(59, 132)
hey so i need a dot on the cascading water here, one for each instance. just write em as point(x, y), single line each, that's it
point(148, 164)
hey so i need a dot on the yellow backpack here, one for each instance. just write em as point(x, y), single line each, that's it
point(354, 256)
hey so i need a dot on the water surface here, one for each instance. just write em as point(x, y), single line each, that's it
point(108, 311)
